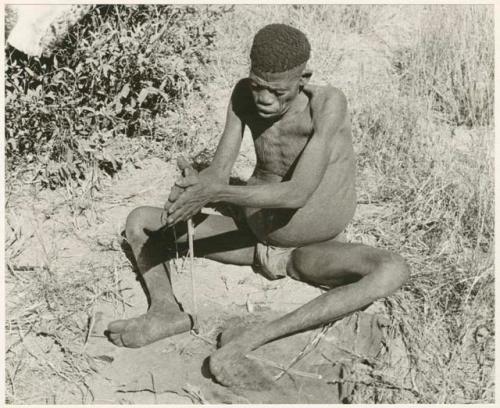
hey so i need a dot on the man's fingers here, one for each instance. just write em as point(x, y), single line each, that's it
point(180, 187)
point(182, 214)
point(174, 218)
point(183, 163)
point(189, 171)
point(187, 181)
point(175, 193)
point(178, 204)
point(173, 208)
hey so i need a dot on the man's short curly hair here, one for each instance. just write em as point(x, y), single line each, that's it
point(278, 48)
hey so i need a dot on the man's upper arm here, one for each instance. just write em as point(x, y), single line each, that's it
point(230, 142)
point(329, 115)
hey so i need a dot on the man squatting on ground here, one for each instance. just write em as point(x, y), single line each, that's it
point(291, 216)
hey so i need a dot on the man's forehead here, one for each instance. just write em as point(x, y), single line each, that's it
point(274, 80)
point(276, 83)
point(277, 78)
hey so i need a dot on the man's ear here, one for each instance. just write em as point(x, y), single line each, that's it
point(305, 77)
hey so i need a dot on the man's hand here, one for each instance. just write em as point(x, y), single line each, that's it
point(190, 193)
point(187, 171)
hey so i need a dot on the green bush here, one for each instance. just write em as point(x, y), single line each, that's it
point(120, 72)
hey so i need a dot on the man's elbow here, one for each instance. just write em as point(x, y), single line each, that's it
point(297, 199)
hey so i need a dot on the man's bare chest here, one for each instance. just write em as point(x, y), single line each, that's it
point(279, 146)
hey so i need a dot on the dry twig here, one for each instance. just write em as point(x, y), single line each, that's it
point(284, 369)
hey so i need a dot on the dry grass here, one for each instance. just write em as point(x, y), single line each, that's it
point(452, 68)
point(51, 299)
point(420, 85)
point(419, 80)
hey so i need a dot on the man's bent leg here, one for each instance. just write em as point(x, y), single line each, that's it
point(216, 237)
point(358, 275)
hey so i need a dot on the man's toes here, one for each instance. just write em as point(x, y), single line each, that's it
point(222, 339)
point(133, 338)
point(118, 326)
point(239, 371)
point(215, 366)
point(230, 334)
point(219, 369)
point(115, 338)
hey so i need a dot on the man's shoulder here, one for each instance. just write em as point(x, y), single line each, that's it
point(241, 97)
point(326, 97)
point(329, 111)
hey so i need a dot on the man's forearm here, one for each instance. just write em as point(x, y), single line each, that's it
point(224, 158)
point(276, 195)
point(220, 172)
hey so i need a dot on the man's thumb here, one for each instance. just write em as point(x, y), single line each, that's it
point(182, 163)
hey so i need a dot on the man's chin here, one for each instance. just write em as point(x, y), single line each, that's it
point(268, 115)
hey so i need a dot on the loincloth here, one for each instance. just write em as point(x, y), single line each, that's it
point(271, 261)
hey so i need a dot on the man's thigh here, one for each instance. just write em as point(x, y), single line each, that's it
point(216, 237)
point(333, 263)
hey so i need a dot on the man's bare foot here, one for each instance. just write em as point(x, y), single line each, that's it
point(240, 328)
point(152, 326)
point(232, 368)
point(235, 332)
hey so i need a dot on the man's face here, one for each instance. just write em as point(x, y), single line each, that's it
point(274, 93)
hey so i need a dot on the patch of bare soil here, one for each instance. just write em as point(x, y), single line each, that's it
point(327, 365)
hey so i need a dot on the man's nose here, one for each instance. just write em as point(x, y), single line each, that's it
point(265, 97)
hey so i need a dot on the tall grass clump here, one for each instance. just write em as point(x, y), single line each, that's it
point(426, 143)
point(452, 67)
point(404, 137)
point(120, 73)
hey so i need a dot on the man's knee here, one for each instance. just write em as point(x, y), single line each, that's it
point(392, 271)
point(136, 223)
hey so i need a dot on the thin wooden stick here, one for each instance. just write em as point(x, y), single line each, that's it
point(193, 286)
point(306, 350)
point(205, 339)
point(190, 231)
point(91, 327)
point(283, 369)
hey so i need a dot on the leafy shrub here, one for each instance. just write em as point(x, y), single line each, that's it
point(122, 70)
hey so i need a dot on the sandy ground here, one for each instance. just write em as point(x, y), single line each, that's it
point(174, 370)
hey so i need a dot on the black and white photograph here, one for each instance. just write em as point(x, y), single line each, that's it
point(249, 203)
